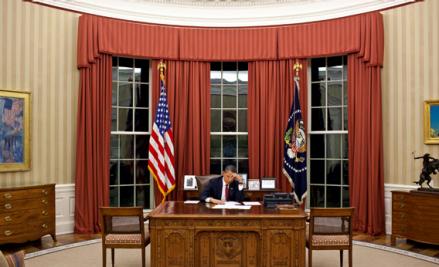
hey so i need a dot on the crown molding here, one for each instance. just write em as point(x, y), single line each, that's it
point(225, 13)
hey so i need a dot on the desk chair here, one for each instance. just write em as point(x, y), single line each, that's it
point(330, 229)
point(122, 228)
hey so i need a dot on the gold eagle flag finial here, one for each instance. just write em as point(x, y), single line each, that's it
point(297, 67)
point(162, 67)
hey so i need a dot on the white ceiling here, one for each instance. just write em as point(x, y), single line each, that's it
point(224, 13)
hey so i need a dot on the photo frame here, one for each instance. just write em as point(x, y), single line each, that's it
point(268, 183)
point(431, 122)
point(14, 131)
point(190, 183)
point(244, 179)
point(254, 185)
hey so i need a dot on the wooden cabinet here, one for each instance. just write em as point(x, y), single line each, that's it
point(199, 236)
point(27, 213)
point(415, 216)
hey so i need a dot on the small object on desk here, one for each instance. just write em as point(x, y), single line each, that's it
point(251, 203)
point(191, 202)
point(268, 183)
point(190, 183)
point(287, 208)
point(272, 200)
point(253, 185)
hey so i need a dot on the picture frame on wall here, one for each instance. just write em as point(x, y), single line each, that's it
point(15, 131)
point(431, 122)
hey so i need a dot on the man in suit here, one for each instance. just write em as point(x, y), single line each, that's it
point(228, 187)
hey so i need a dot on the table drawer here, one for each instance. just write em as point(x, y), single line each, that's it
point(18, 217)
point(40, 227)
point(8, 196)
point(25, 204)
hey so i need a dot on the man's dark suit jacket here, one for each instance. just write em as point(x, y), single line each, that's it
point(215, 187)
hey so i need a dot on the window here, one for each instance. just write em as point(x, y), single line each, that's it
point(229, 134)
point(328, 134)
point(130, 182)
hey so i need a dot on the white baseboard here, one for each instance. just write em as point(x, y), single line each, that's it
point(65, 208)
point(388, 188)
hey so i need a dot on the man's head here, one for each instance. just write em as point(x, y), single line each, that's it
point(229, 173)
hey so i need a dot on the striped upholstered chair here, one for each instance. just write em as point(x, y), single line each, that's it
point(330, 229)
point(123, 228)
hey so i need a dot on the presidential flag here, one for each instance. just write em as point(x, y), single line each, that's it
point(161, 147)
point(294, 165)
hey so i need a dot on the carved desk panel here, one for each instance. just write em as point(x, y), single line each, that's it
point(196, 235)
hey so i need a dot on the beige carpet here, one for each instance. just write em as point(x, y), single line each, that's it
point(90, 256)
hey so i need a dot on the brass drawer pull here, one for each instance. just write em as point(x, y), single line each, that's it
point(8, 206)
point(8, 219)
point(8, 232)
point(7, 195)
point(44, 212)
point(44, 201)
point(44, 226)
point(44, 191)
point(402, 205)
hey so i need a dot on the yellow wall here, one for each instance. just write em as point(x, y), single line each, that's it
point(410, 76)
point(38, 54)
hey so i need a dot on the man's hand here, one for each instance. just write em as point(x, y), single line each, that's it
point(216, 201)
point(238, 178)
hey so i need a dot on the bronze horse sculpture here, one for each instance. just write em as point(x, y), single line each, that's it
point(430, 166)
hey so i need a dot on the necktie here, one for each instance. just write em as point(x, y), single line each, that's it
point(227, 192)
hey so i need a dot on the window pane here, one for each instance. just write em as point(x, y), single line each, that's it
point(215, 166)
point(114, 119)
point(318, 69)
point(333, 197)
point(114, 94)
point(334, 118)
point(142, 120)
point(242, 166)
point(215, 146)
point(345, 119)
point(242, 74)
point(215, 120)
point(318, 94)
point(318, 119)
point(243, 146)
point(126, 70)
point(142, 95)
point(142, 196)
point(114, 196)
point(215, 96)
point(345, 93)
point(230, 77)
point(114, 149)
point(229, 146)
point(126, 172)
point(344, 147)
point(229, 162)
point(229, 96)
point(125, 94)
point(125, 119)
point(333, 146)
point(114, 68)
point(242, 121)
point(317, 196)
point(317, 173)
point(142, 70)
point(229, 121)
point(142, 145)
point(334, 94)
point(345, 192)
point(242, 95)
point(345, 172)
point(335, 68)
point(317, 144)
point(333, 172)
point(114, 172)
point(215, 73)
point(126, 196)
point(142, 172)
point(126, 146)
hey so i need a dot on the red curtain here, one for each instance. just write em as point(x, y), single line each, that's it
point(270, 95)
point(366, 170)
point(188, 88)
point(93, 144)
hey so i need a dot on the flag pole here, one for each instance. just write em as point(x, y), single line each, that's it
point(162, 67)
point(297, 67)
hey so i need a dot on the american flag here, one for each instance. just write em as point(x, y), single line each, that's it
point(161, 147)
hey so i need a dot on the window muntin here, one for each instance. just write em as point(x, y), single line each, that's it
point(328, 135)
point(229, 134)
point(130, 182)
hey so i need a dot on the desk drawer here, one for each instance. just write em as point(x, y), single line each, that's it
point(21, 216)
point(6, 197)
point(25, 204)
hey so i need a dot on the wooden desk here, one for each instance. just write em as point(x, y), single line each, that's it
point(248, 195)
point(196, 235)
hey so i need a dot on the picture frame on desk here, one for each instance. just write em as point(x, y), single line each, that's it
point(431, 122)
point(268, 183)
point(190, 183)
point(15, 154)
point(244, 179)
point(254, 185)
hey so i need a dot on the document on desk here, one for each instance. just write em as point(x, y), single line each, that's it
point(232, 207)
point(191, 202)
point(252, 203)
